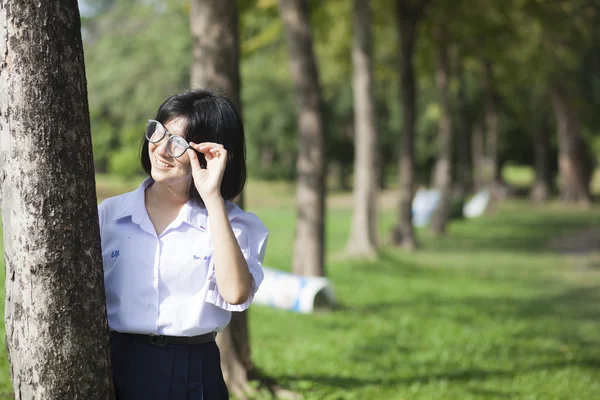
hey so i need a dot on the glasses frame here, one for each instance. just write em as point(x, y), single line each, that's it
point(170, 138)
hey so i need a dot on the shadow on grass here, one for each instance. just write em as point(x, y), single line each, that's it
point(460, 375)
point(510, 232)
point(556, 319)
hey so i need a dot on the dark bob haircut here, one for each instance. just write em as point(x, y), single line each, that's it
point(210, 117)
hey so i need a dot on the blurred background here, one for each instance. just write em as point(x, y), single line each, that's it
point(466, 261)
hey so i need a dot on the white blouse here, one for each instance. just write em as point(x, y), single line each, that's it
point(165, 285)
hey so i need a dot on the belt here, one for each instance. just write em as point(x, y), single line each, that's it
point(161, 340)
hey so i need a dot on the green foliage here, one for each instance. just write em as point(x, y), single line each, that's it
point(139, 51)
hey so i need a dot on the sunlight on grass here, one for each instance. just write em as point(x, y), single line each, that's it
point(518, 175)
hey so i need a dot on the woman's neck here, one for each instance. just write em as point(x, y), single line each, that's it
point(166, 196)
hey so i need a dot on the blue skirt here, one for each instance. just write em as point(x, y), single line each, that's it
point(174, 372)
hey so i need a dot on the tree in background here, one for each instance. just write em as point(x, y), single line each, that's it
point(408, 14)
point(464, 177)
point(215, 40)
point(562, 54)
point(491, 167)
point(574, 182)
point(442, 180)
point(309, 246)
point(363, 234)
point(55, 316)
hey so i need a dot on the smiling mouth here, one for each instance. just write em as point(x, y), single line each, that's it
point(162, 164)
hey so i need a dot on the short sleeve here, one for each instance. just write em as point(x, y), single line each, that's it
point(101, 217)
point(252, 236)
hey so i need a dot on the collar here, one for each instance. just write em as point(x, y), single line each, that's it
point(134, 206)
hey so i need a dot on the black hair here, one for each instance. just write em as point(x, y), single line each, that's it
point(210, 117)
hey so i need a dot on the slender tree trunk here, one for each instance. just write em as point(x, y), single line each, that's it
point(310, 239)
point(363, 234)
point(464, 182)
point(443, 166)
point(478, 157)
point(540, 192)
point(403, 234)
point(490, 167)
point(214, 26)
point(55, 313)
point(574, 187)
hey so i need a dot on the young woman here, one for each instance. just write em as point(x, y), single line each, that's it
point(178, 255)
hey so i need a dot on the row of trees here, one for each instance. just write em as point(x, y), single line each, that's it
point(472, 68)
point(483, 72)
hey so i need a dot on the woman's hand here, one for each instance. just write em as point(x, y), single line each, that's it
point(208, 181)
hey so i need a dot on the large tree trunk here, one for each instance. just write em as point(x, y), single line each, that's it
point(215, 41)
point(55, 313)
point(310, 241)
point(540, 192)
point(574, 185)
point(443, 166)
point(214, 26)
point(464, 179)
point(363, 236)
point(403, 234)
point(491, 170)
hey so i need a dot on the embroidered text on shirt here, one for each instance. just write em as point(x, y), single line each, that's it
point(115, 254)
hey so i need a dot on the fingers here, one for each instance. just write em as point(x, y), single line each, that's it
point(194, 160)
point(210, 150)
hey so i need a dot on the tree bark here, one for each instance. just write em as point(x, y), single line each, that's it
point(215, 36)
point(55, 310)
point(464, 182)
point(310, 227)
point(478, 155)
point(443, 166)
point(215, 40)
point(491, 171)
point(574, 186)
point(403, 233)
point(540, 192)
point(363, 234)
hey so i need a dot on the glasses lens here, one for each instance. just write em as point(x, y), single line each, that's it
point(154, 132)
point(176, 146)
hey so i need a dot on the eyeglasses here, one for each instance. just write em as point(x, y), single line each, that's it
point(176, 145)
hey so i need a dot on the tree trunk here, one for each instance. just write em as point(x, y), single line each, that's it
point(464, 179)
point(443, 166)
point(490, 166)
point(573, 187)
point(478, 157)
point(540, 192)
point(214, 26)
point(403, 233)
point(55, 310)
point(310, 241)
point(363, 234)
point(215, 41)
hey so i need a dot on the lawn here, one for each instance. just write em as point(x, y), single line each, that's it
point(487, 312)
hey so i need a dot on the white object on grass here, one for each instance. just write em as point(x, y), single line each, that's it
point(287, 291)
point(477, 206)
point(423, 206)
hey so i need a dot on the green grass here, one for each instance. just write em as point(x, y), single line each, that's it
point(487, 312)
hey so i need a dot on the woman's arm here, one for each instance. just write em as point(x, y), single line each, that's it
point(231, 269)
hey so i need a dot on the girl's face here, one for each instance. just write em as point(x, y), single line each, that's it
point(166, 169)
